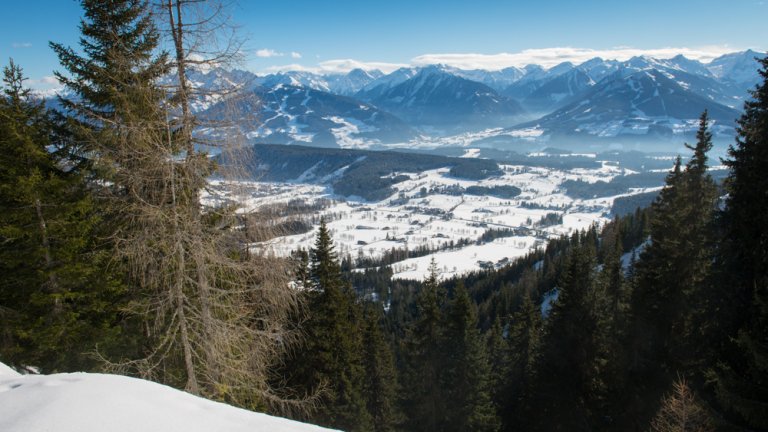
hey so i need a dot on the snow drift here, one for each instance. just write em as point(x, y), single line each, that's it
point(85, 402)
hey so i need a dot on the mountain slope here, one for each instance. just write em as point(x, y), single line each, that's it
point(289, 114)
point(437, 98)
point(558, 91)
point(350, 83)
point(643, 103)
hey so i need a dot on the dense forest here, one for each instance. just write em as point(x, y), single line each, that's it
point(655, 321)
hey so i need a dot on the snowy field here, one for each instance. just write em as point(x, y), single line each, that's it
point(84, 402)
point(420, 213)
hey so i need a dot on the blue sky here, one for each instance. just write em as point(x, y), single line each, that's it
point(335, 35)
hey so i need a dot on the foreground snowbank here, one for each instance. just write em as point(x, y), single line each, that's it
point(83, 402)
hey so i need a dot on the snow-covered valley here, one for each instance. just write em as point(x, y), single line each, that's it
point(435, 213)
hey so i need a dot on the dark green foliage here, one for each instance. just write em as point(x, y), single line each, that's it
point(671, 273)
point(380, 387)
point(118, 44)
point(669, 312)
point(503, 191)
point(569, 380)
point(619, 185)
point(525, 330)
point(466, 374)
point(333, 354)
point(59, 300)
point(741, 377)
point(447, 381)
point(425, 398)
point(623, 206)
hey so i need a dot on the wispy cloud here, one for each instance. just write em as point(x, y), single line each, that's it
point(47, 86)
point(22, 44)
point(295, 55)
point(336, 67)
point(546, 57)
point(346, 65)
point(549, 57)
point(267, 53)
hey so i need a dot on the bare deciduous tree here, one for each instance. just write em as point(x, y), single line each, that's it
point(681, 412)
point(218, 319)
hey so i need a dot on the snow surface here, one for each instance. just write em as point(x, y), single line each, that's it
point(6, 372)
point(84, 402)
point(411, 218)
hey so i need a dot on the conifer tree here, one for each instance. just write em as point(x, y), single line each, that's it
point(333, 353)
point(568, 375)
point(681, 412)
point(215, 321)
point(498, 360)
point(425, 400)
point(657, 295)
point(59, 299)
point(742, 373)
point(524, 339)
point(668, 306)
point(466, 375)
point(380, 386)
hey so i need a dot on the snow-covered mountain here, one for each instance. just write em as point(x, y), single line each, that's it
point(342, 84)
point(558, 91)
point(288, 114)
point(376, 88)
point(439, 99)
point(497, 80)
point(350, 83)
point(738, 68)
point(597, 68)
point(366, 108)
point(295, 78)
point(646, 103)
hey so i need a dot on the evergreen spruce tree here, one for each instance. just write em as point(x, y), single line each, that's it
point(524, 339)
point(380, 387)
point(611, 306)
point(425, 398)
point(333, 353)
point(742, 374)
point(190, 278)
point(498, 360)
point(59, 299)
point(569, 382)
point(668, 305)
point(657, 297)
point(466, 375)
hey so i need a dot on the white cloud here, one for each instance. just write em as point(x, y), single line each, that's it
point(47, 86)
point(339, 66)
point(346, 65)
point(266, 53)
point(548, 57)
point(295, 55)
point(50, 80)
point(290, 67)
point(22, 44)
